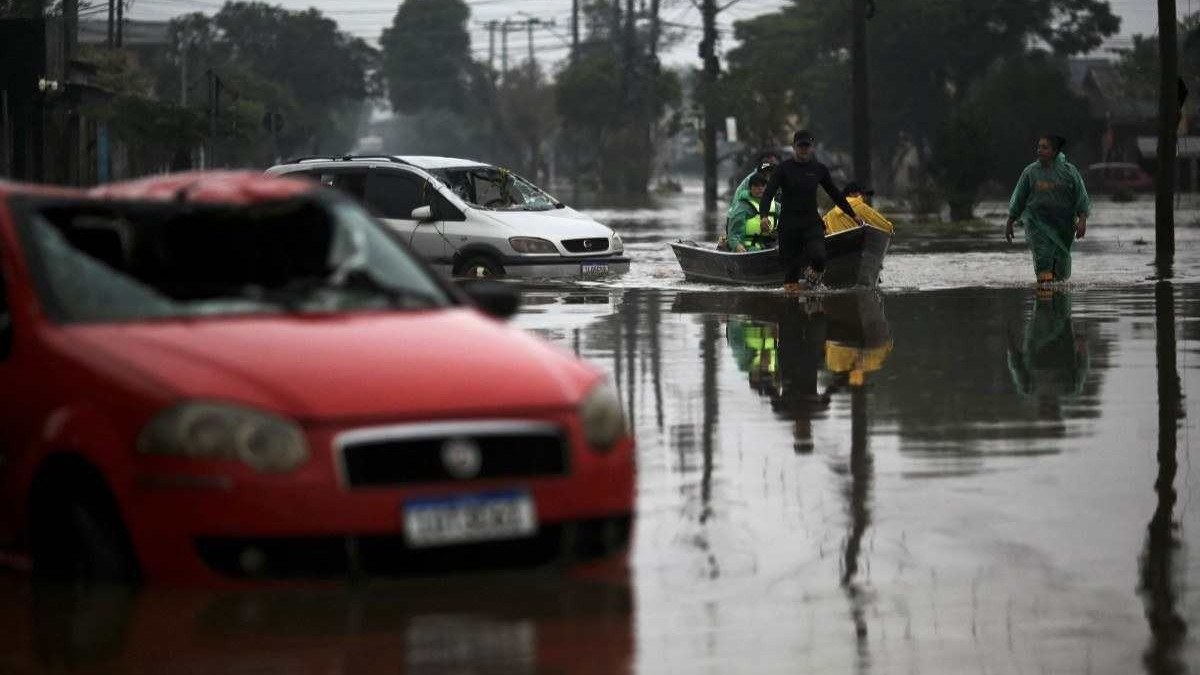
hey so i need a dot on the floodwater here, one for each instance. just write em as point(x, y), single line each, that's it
point(951, 474)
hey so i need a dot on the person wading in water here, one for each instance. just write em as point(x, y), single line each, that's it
point(1052, 203)
point(801, 231)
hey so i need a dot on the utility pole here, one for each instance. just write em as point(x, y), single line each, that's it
point(491, 27)
point(183, 75)
point(111, 17)
point(214, 103)
point(574, 30)
point(861, 10)
point(504, 48)
point(712, 68)
point(1168, 121)
point(120, 22)
point(529, 24)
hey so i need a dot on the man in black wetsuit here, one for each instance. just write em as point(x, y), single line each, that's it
point(801, 230)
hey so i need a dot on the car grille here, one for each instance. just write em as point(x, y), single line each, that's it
point(414, 453)
point(592, 245)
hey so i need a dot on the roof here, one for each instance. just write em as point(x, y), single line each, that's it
point(432, 162)
point(11, 188)
point(133, 33)
point(209, 187)
point(1111, 94)
point(1186, 147)
point(426, 162)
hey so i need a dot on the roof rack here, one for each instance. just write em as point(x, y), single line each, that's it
point(340, 158)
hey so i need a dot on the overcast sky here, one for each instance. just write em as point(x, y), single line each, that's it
point(367, 18)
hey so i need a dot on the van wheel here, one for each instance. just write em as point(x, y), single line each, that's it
point(478, 267)
point(80, 538)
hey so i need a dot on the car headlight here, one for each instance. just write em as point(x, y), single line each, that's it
point(531, 245)
point(617, 244)
point(602, 418)
point(203, 430)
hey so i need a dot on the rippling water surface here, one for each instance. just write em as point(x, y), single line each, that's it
point(949, 474)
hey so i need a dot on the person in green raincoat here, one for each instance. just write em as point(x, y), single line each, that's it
point(745, 230)
point(766, 163)
point(1052, 203)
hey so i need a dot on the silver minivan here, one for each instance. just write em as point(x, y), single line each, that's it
point(472, 219)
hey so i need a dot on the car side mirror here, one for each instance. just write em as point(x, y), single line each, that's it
point(492, 297)
point(422, 214)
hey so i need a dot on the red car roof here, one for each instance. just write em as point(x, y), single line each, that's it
point(10, 188)
point(209, 187)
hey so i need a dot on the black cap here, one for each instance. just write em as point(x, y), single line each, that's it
point(802, 136)
point(855, 187)
point(766, 166)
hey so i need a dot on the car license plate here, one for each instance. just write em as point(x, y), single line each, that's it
point(469, 518)
point(591, 269)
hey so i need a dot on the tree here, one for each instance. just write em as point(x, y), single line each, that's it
point(614, 99)
point(923, 57)
point(990, 134)
point(427, 56)
point(268, 59)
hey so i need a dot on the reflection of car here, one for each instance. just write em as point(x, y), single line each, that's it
point(246, 375)
point(472, 219)
point(1118, 177)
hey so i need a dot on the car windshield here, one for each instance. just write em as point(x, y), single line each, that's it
point(101, 262)
point(498, 189)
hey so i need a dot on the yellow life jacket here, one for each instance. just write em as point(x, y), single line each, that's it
point(759, 340)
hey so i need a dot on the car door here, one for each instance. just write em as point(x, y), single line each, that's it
point(393, 194)
point(17, 423)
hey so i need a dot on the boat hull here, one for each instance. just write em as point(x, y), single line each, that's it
point(855, 259)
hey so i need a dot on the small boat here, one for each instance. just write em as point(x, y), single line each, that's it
point(855, 259)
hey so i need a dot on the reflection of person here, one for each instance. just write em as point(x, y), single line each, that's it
point(801, 231)
point(745, 230)
point(801, 355)
point(1050, 362)
point(856, 194)
point(755, 348)
point(1051, 201)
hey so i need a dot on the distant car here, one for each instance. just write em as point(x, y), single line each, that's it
point(472, 219)
point(1118, 177)
point(232, 375)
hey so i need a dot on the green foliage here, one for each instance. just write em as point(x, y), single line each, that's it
point(615, 101)
point(923, 57)
point(427, 56)
point(962, 160)
point(296, 64)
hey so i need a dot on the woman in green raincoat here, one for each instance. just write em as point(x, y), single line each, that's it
point(1052, 203)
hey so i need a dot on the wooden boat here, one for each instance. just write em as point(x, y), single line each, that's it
point(855, 259)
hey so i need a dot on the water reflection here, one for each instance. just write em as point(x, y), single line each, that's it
point(1158, 582)
point(1050, 362)
point(507, 623)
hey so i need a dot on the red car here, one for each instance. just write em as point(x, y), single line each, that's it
point(1118, 177)
point(213, 375)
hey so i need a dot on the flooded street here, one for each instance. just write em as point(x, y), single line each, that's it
point(951, 474)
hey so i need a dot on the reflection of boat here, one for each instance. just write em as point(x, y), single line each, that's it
point(855, 259)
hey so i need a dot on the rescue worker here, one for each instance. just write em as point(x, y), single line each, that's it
point(745, 229)
point(765, 166)
point(1050, 200)
point(856, 194)
point(801, 231)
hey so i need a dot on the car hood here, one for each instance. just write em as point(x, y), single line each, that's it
point(391, 366)
point(564, 223)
